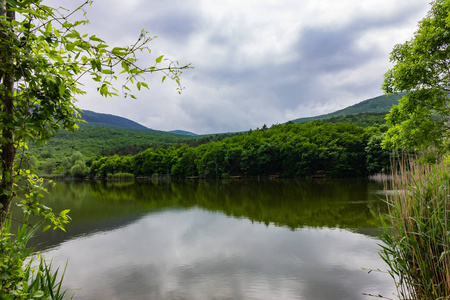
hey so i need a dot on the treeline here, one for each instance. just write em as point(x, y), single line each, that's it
point(290, 150)
point(91, 140)
point(191, 141)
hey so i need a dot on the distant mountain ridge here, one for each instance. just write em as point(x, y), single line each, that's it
point(112, 121)
point(108, 134)
point(99, 118)
point(182, 132)
point(380, 104)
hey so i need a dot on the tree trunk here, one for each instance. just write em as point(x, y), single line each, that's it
point(7, 147)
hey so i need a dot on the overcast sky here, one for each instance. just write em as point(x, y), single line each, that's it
point(255, 62)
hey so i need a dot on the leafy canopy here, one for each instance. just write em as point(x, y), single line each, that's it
point(42, 59)
point(422, 69)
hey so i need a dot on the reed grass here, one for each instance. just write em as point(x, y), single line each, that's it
point(24, 275)
point(416, 230)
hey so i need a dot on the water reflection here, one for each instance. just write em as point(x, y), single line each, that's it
point(196, 254)
point(285, 239)
point(350, 204)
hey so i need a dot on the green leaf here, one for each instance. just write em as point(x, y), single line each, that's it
point(104, 90)
point(84, 45)
point(62, 89)
point(65, 212)
point(38, 294)
point(7, 176)
point(119, 51)
point(14, 3)
point(4, 276)
point(95, 39)
point(72, 35)
point(159, 59)
point(125, 66)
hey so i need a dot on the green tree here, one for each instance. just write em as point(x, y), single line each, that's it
point(49, 166)
point(76, 156)
point(421, 69)
point(79, 169)
point(378, 160)
point(42, 58)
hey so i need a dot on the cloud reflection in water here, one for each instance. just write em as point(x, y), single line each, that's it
point(195, 254)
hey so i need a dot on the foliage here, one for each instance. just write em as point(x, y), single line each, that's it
point(42, 59)
point(419, 121)
point(79, 169)
point(48, 166)
point(378, 159)
point(360, 119)
point(100, 137)
point(27, 161)
point(416, 241)
point(20, 276)
point(290, 150)
point(93, 140)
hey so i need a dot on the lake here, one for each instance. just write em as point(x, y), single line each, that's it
point(244, 239)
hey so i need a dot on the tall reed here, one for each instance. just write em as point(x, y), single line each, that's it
point(416, 231)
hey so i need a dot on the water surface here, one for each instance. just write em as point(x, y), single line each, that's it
point(287, 239)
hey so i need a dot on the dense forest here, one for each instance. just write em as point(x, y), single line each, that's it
point(288, 150)
point(342, 145)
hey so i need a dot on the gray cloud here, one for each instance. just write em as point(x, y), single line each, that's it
point(255, 62)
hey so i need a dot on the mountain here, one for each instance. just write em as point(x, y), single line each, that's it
point(104, 134)
point(93, 139)
point(116, 122)
point(111, 120)
point(371, 108)
point(182, 132)
point(377, 105)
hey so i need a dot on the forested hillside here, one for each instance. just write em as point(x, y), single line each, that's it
point(290, 150)
point(110, 120)
point(182, 132)
point(90, 141)
point(106, 135)
point(377, 105)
